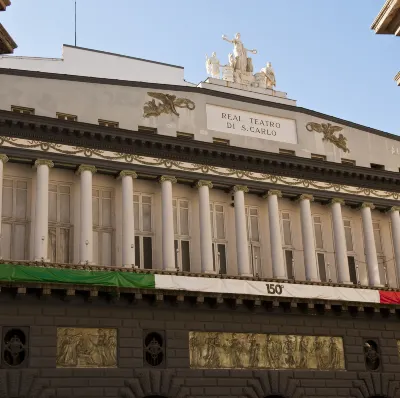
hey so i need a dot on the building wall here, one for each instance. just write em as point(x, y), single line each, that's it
point(12, 170)
point(82, 62)
point(44, 315)
point(124, 104)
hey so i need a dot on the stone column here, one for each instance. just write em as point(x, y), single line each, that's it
point(168, 249)
point(86, 237)
point(42, 209)
point(369, 242)
point(307, 233)
point(395, 219)
point(340, 241)
point(3, 161)
point(128, 221)
point(207, 261)
point(278, 265)
point(242, 245)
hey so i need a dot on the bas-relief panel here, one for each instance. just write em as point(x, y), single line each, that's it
point(213, 350)
point(86, 348)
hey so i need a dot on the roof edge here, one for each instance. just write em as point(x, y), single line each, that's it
point(123, 56)
point(171, 87)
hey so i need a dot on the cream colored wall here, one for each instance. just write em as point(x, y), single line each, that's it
point(184, 191)
point(124, 104)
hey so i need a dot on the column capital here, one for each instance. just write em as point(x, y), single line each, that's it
point(44, 162)
point(306, 196)
point(204, 183)
point(86, 167)
point(337, 200)
point(3, 158)
point(272, 192)
point(393, 209)
point(127, 173)
point(238, 188)
point(171, 179)
point(367, 204)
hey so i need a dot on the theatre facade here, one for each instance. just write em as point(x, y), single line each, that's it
point(167, 239)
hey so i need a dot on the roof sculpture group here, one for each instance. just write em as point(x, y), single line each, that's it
point(240, 67)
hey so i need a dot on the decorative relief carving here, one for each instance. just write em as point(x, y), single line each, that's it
point(213, 350)
point(15, 347)
point(328, 131)
point(194, 167)
point(168, 104)
point(86, 348)
point(372, 357)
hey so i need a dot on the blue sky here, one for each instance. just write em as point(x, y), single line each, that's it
point(323, 52)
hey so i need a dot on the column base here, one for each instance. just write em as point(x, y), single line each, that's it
point(313, 280)
point(170, 269)
point(247, 275)
point(378, 285)
point(128, 266)
point(210, 272)
point(42, 260)
point(281, 277)
point(86, 263)
point(347, 283)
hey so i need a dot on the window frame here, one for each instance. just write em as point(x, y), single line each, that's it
point(100, 229)
point(256, 268)
point(14, 220)
point(286, 247)
point(58, 225)
point(179, 237)
point(218, 241)
point(140, 233)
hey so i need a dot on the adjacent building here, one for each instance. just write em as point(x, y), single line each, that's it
point(388, 22)
point(7, 44)
point(166, 239)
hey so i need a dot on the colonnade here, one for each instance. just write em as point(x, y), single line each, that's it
point(168, 251)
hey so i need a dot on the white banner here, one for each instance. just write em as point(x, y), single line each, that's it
point(250, 124)
point(258, 288)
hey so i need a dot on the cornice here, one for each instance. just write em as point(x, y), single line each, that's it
point(197, 90)
point(7, 44)
point(51, 130)
point(156, 166)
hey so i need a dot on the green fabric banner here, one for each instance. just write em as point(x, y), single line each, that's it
point(23, 273)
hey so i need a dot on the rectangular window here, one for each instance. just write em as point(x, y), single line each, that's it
point(287, 152)
point(319, 243)
point(289, 264)
point(15, 219)
point(186, 136)
point(22, 109)
point(60, 227)
point(253, 237)
point(321, 266)
point(146, 129)
point(318, 157)
point(66, 116)
point(220, 141)
point(377, 236)
point(286, 229)
point(348, 235)
point(142, 210)
point(349, 162)
point(181, 231)
point(103, 231)
point(377, 166)
point(108, 123)
point(352, 269)
point(382, 269)
point(217, 214)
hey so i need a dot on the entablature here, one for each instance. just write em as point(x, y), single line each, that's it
point(147, 143)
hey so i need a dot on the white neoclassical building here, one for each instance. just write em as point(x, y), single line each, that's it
point(132, 166)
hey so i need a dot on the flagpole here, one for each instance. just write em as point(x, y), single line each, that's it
point(75, 23)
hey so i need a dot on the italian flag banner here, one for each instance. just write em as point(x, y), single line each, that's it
point(119, 279)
